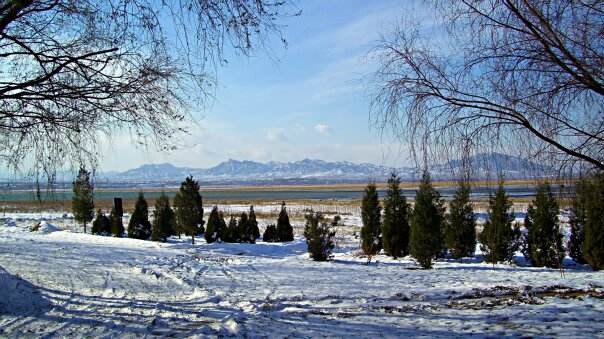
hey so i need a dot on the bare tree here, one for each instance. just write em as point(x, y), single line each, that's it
point(521, 75)
point(71, 71)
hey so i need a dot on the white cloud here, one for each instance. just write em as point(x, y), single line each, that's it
point(275, 134)
point(322, 129)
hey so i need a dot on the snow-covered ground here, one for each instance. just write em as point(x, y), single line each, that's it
point(68, 284)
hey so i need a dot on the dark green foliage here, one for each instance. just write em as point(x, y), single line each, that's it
point(232, 231)
point(395, 228)
point(426, 222)
point(164, 220)
point(270, 234)
point(82, 203)
point(139, 226)
point(253, 224)
point(371, 217)
point(498, 241)
point(101, 225)
point(319, 236)
point(189, 209)
point(215, 227)
point(543, 238)
point(577, 222)
point(460, 228)
point(244, 229)
point(117, 226)
point(285, 231)
point(593, 198)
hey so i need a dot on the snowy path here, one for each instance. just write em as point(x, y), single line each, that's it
point(80, 285)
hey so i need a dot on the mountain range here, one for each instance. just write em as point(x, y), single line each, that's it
point(483, 165)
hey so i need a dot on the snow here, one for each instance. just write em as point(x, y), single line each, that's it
point(69, 284)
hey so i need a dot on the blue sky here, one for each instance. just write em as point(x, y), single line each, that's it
point(309, 100)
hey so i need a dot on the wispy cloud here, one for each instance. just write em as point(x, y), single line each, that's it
point(322, 129)
point(276, 134)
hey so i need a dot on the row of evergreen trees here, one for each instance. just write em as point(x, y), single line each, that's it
point(426, 232)
point(423, 231)
point(187, 218)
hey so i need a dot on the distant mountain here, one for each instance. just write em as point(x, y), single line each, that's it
point(483, 165)
point(492, 164)
point(257, 171)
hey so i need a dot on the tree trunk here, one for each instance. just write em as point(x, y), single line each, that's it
point(192, 239)
point(84, 227)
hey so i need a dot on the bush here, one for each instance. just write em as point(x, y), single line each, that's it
point(139, 226)
point(164, 221)
point(543, 239)
point(593, 245)
point(319, 236)
point(215, 224)
point(460, 228)
point(117, 225)
point(395, 228)
point(285, 231)
point(371, 217)
point(498, 240)
point(426, 222)
point(101, 225)
point(270, 234)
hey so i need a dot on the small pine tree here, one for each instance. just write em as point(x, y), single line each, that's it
point(285, 231)
point(395, 228)
point(139, 226)
point(82, 203)
point(593, 245)
point(189, 209)
point(498, 240)
point(371, 217)
point(213, 231)
point(270, 234)
point(544, 241)
point(253, 224)
point(232, 231)
point(117, 226)
point(164, 220)
point(101, 225)
point(243, 229)
point(319, 236)
point(426, 223)
point(460, 228)
point(577, 223)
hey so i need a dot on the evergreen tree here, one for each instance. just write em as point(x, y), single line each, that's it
point(222, 227)
point(577, 222)
point(253, 224)
point(544, 241)
point(460, 228)
point(371, 217)
point(319, 236)
point(285, 231)
point(244, 230)
point(593, 245)
point(213, 231)
point(139, 226)
point(498, 240)
point(117, 226)
point(395, 228)
point(232, 231)
point(426, 222)
point(270, 234)
point(82, 203)
point(189, 209)
point(164, 220)
point(101, 225)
